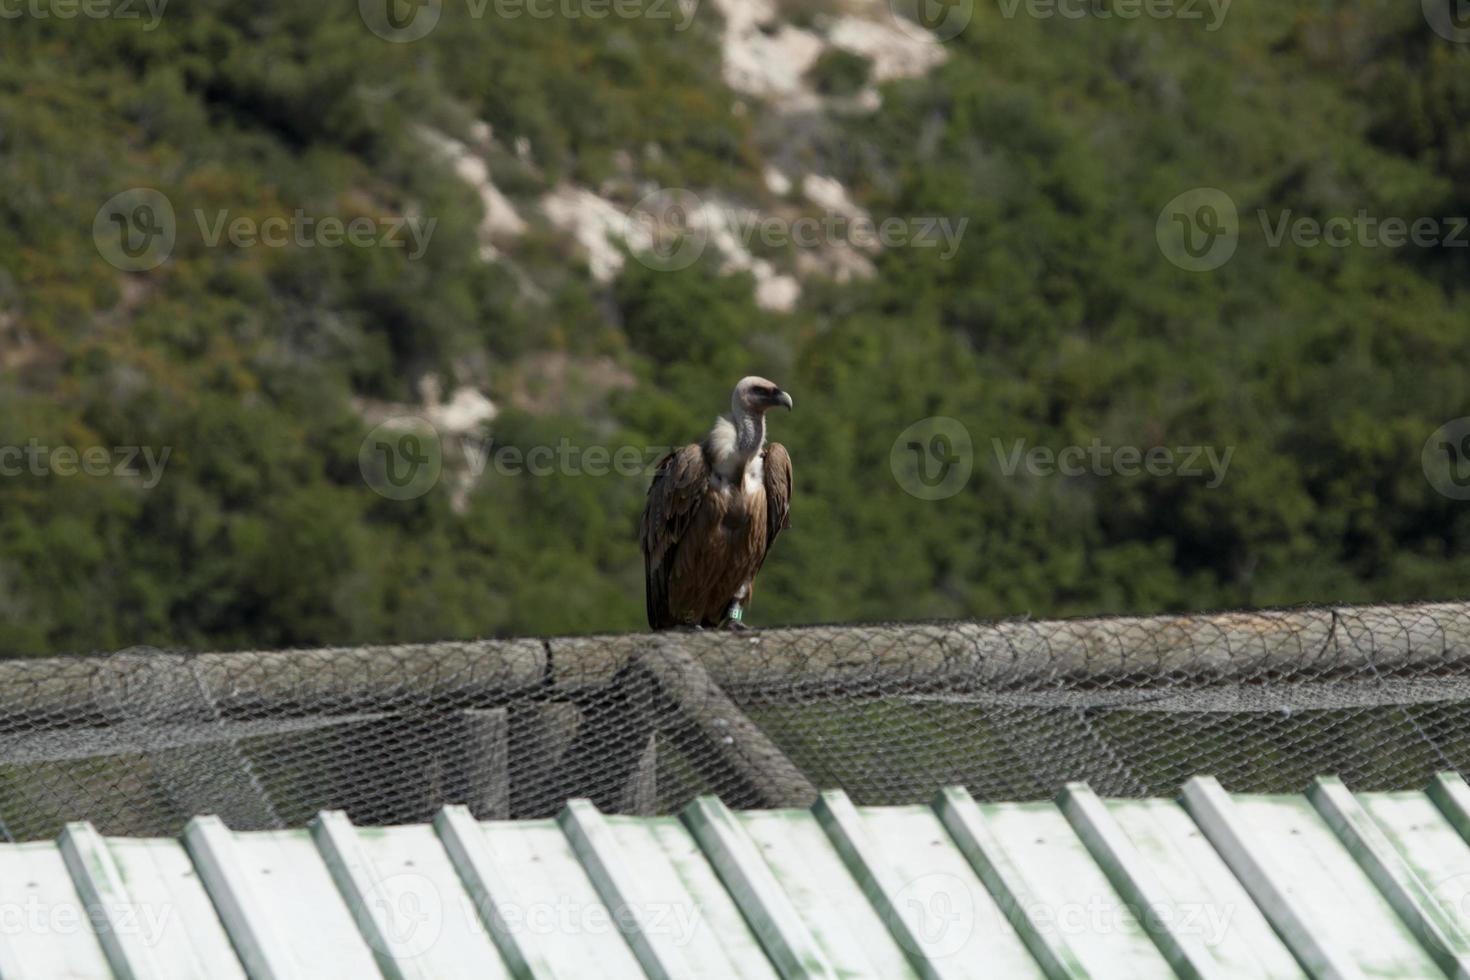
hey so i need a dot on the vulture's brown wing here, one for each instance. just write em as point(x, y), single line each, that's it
point(674, 497)
point(778, 492)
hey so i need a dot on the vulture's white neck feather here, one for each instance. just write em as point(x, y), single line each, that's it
point(735, 447)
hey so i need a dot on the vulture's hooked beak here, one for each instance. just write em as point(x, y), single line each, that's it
point(782, 398)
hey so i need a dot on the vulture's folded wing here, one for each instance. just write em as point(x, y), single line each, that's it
point(674, 498)
point(778, 492)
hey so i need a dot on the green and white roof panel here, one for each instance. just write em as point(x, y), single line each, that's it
point(1330, 884)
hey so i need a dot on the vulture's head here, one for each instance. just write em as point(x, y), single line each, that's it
point(754, 395)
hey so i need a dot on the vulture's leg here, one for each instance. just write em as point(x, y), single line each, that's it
point(734, 615)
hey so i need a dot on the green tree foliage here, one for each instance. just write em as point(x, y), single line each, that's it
point(1055, 323)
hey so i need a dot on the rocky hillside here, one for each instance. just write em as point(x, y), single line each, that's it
point(258, 261)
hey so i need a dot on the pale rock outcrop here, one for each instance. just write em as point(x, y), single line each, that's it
point(895, 52)
point(776, 181)
point(762, 57)
point(828, 194)
point(501, 220)
point(765, 58)
point(598, 225)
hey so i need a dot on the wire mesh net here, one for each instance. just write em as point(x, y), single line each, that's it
point(138, 742)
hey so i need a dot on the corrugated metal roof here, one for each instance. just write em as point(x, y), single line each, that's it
point(1331, 884)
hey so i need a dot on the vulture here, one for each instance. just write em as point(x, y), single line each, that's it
point(714, 509)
